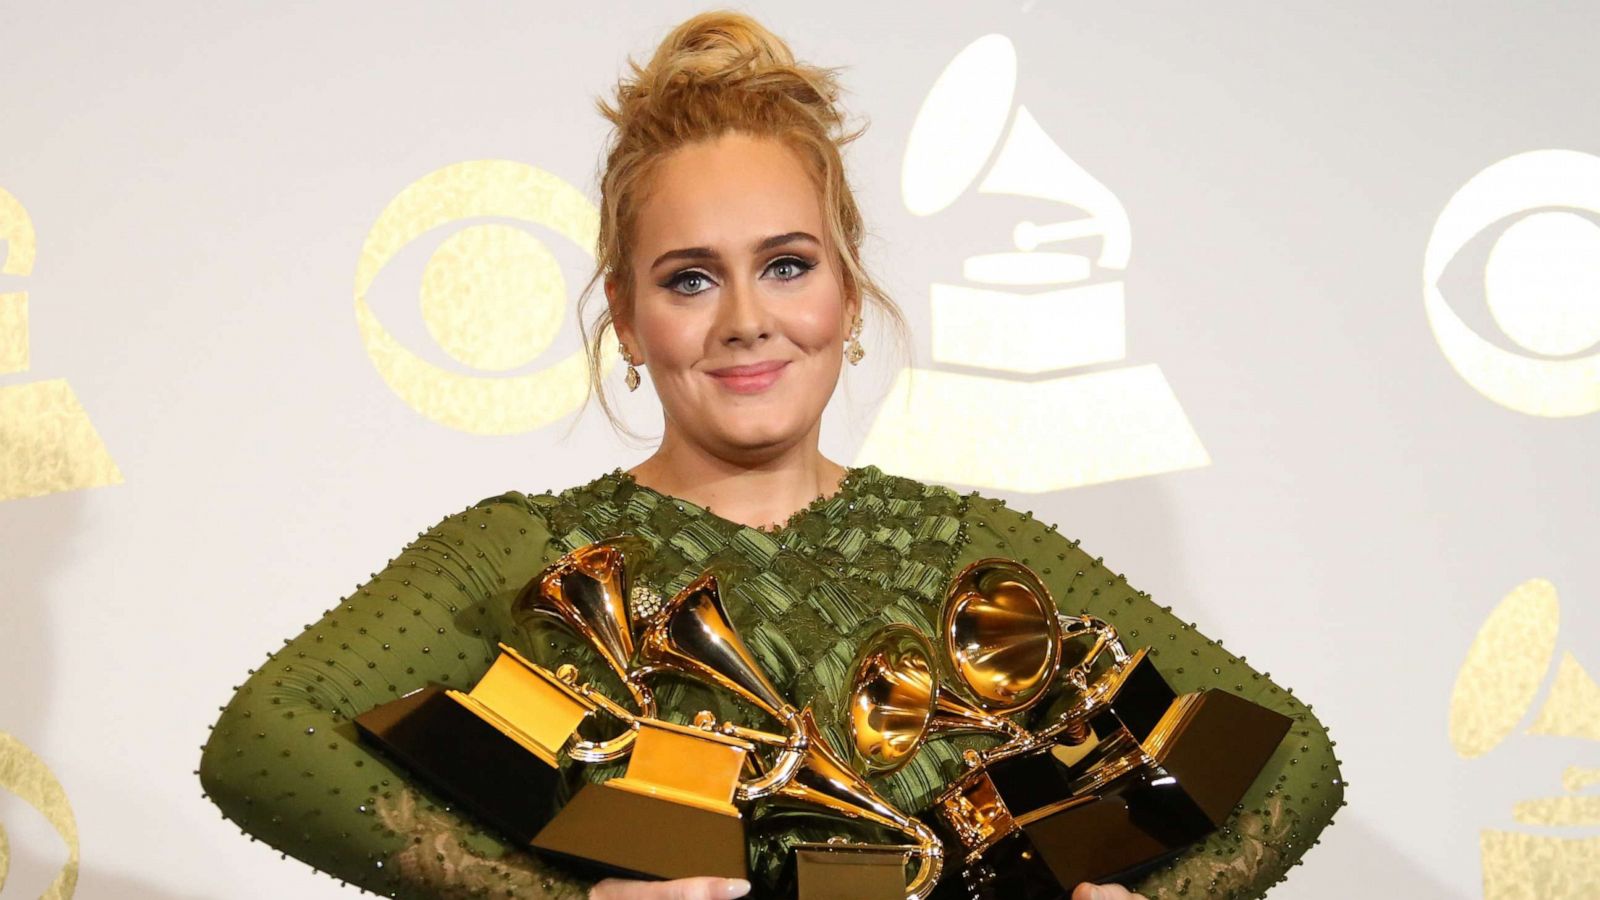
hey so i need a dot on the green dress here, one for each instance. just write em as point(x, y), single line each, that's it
point(284, 763)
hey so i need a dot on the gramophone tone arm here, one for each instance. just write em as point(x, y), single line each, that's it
point(1074, 720)
point(755, 736)
point(1106, 638)
point(617, 747)
point(784, 769)
point(617, 710)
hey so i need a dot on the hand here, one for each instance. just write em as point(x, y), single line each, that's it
point(1087, 891)
point(678, 889)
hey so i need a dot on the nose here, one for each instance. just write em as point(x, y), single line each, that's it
point(741, 316)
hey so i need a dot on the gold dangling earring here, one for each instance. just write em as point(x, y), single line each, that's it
point(631, 379)
point(853, 351)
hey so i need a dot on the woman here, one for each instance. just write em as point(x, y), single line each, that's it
point(729, 249)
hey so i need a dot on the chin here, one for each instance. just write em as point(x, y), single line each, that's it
point(747, 435)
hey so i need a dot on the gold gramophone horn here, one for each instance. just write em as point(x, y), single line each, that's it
point(587, 590)
point(896, 701)
point(824, 781)
point(1001, 634)
point(693, 635)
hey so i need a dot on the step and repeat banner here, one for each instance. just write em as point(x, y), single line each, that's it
point(1291, 312)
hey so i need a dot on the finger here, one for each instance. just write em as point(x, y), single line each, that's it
point(678, 889)
point(1087, 891)
point(705, 889)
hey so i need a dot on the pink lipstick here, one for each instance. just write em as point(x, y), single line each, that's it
point(749, 379)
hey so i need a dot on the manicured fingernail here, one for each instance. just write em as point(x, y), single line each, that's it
point(735, 887)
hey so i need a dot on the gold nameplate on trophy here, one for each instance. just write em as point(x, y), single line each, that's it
point(527, 703)
point(492, 748)
point(670, 816)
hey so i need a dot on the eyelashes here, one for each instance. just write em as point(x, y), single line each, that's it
point(801, 265)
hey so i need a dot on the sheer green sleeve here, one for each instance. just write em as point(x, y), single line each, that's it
point(284, 762)
point(1300, 789)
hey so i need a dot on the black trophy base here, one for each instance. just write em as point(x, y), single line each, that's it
point(850, 871)
point(609, 830)
point(466, 759)
point(1102, 839)
point(1149, 800)
point(1013, 869)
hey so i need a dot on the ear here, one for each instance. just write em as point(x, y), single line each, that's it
point(621, 319)
point(852, 304)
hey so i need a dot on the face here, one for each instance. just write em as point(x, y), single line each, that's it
point(739, 312)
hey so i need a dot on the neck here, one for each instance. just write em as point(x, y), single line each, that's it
point(760, 490)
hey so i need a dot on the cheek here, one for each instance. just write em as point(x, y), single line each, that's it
point(672, 339)
point(817, 326)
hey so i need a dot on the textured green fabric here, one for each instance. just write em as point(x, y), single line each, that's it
point(284, 763)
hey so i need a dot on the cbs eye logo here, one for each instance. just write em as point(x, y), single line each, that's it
point(1541, 282)
point(492, 296)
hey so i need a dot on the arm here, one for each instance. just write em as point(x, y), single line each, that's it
point(1297, 793)
point(284, 761)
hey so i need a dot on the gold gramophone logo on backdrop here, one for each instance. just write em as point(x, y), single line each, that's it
point(1026, 316)
point(1507, 666)
point(1541, 282)
point(492, 296)
point(47, 443)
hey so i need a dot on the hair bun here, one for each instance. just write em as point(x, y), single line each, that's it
point(724, 51)
point(720, 43)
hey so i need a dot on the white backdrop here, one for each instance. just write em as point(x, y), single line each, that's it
point(1264, 364)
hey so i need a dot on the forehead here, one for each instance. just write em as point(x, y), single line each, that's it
point(726, 193)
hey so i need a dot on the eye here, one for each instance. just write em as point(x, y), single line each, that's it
point(686, 277)
point(793, 264)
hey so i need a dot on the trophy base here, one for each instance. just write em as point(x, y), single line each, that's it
point(466, 759)
point(1103, 839)
point(1034, 826)
point(986, 804)
point(615, 829)
point(1219, 747)
point(1044, 852)
point(850, 871)
point(1015, 869)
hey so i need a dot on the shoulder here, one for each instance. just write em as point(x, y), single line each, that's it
point(975, 525)
point(972, 508)
point(873, 485)
point(990, 526)
point(556, 511)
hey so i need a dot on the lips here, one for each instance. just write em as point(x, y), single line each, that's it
point(751, 378)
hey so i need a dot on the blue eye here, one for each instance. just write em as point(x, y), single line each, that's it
point(677, 280)
point(794, 262)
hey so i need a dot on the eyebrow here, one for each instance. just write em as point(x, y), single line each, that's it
point(698, 253)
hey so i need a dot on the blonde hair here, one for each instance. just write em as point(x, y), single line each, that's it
point(718, 72)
